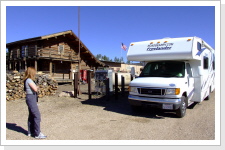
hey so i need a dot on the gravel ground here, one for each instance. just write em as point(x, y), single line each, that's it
point(66, 118)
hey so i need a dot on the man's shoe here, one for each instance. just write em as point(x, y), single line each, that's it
point(30, 134)
point(40, 136)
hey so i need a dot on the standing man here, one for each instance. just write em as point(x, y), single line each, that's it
point(34, 117)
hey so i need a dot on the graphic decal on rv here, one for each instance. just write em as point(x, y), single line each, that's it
point(199, 52)
point(164, 46)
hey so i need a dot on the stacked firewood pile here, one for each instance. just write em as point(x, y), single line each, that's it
point(15, 85)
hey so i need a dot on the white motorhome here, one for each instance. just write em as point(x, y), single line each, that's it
point(178, 72)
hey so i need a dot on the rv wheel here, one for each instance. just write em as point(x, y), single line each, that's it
point(181, 111)
point(208, 97)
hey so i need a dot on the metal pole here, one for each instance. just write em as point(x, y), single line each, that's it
point(79, 47)
point(116, 86)
point(120, 55)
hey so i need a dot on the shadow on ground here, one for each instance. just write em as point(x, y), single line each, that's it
point(15, 127)
point(122, 106)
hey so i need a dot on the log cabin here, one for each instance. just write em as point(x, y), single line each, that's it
point(56, 54)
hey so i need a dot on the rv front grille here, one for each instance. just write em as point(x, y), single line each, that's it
point(150, 91)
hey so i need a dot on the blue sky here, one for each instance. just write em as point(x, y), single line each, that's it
point(103, 28)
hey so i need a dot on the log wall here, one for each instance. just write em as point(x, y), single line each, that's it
point(52, 48)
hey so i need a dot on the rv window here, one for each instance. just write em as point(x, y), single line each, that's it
point(206, 62)
point(189, 72)
point(213, 62)
point(164, 69)
point(199, 46)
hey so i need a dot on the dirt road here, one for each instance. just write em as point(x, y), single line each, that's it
point(66, 118)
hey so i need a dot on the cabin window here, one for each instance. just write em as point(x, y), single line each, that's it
point(24, 51)
point(205, 62)
point(10, 53)
point(199, 46)
point(213, 62)
point(60, 49)
point(53, 68)
point(17, 53)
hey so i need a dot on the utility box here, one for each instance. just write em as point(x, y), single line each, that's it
point(101, 77)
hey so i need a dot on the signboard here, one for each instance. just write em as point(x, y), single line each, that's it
point(163, 46)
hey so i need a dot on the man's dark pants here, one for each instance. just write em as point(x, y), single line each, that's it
point(34, 117)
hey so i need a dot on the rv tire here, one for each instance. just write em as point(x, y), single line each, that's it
point(181, 111)
point(208, 97)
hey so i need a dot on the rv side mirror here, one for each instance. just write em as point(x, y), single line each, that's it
point(200, 71)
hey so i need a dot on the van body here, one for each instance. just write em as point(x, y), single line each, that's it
point(178, 72)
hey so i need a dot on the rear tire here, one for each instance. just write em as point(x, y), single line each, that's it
point(208, 97)
point(181, 111)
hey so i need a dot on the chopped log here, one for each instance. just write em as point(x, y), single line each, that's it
point(15, 85)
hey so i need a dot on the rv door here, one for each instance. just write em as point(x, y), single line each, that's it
point(190, 82)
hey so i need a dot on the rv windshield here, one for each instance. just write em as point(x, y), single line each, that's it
point(164, 69)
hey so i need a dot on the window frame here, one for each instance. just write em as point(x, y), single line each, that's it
point(205, 62)
point(60, 49)
point(199, 46)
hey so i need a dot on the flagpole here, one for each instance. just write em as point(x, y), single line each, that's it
point(79, 67)
point(120, 54)
point(124, 47)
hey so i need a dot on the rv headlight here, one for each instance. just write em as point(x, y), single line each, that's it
point(133, 89)
point(175, 91)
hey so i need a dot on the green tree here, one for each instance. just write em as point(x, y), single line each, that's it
point(128, 61)
point(116, 59)
point(105, 58)
point(121, 59)
point(98, 56)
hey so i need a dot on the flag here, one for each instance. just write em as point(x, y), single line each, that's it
point(124, 47)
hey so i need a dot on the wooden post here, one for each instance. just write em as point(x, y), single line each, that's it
point(75, 83)
point(122, 85)
point(35, 65)
point(50, 68)
point(50, 53)
point(131, 77)
point(71, 70)
point(36, 50)
point(89, 83)
point(15, 64)
point(19, 65)
point(107, 89)
point(116, 86)
point(10, 65)
point(25, 64)
point(25, 52)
